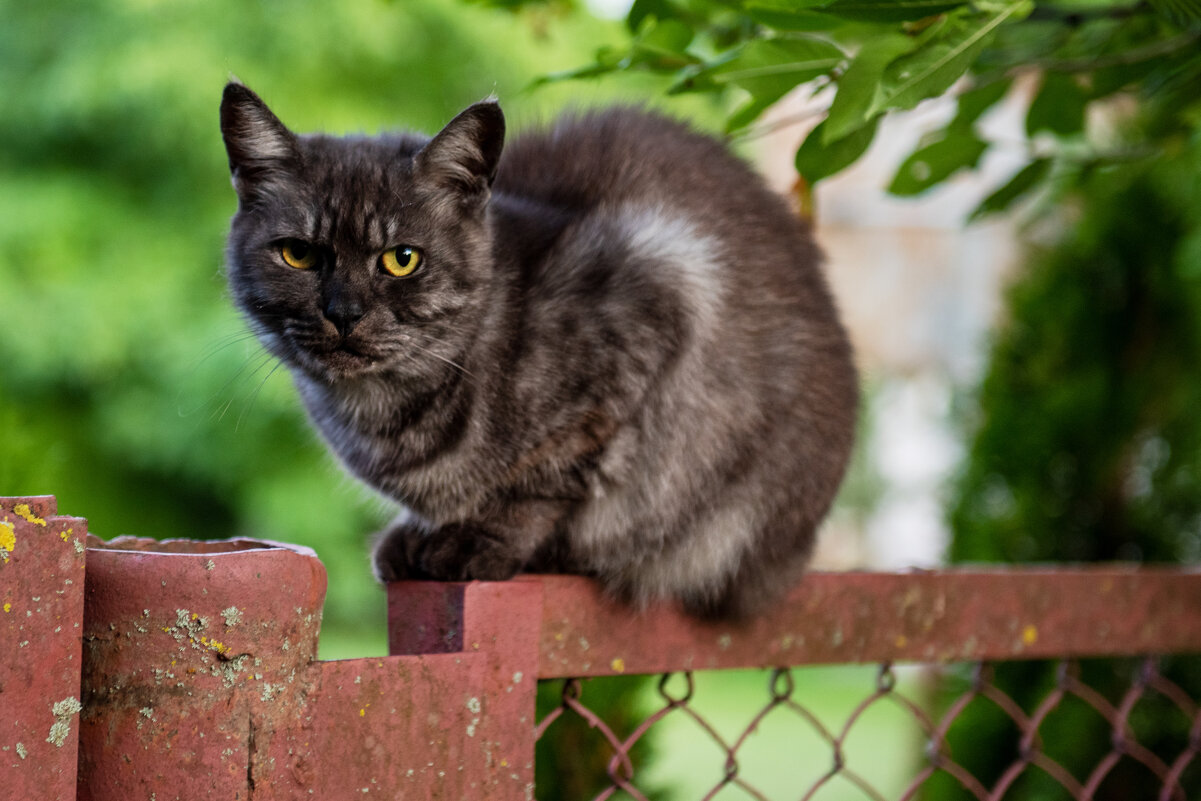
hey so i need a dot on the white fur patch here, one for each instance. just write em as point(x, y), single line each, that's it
point(689, 256)
point(710, 554)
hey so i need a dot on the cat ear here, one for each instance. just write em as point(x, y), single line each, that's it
point(464, 155)
point(258, 144)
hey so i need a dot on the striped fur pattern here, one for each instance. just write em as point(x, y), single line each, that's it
point(618, 357)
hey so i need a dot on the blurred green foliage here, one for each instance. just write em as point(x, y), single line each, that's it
point(1087, 442)
point(879, 57)
point(129, 387)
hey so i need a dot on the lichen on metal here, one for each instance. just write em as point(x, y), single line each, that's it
point(8, 539)
point(232, 616)
point(23, 511)
point(40, 614)
point(63, 711)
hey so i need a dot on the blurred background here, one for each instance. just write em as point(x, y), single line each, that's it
point(1031, 383)
point(130, 388)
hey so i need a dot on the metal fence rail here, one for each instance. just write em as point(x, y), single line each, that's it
point(962, 627)
point(188, 671)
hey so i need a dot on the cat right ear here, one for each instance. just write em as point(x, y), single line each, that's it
point(464, 155)
point(259, 146)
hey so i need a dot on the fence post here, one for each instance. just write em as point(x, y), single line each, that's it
point(41, 615)
point(500, 622)
point(196, 669)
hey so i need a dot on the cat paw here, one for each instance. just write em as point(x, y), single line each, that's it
point(455, 552)
point(464, 552)
point(392, 558)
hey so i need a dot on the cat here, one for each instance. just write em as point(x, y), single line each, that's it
point(605, 348)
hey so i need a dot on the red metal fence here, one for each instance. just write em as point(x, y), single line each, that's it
point(188, 670)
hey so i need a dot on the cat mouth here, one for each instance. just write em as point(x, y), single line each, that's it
point(347, 359)
point(339, 359)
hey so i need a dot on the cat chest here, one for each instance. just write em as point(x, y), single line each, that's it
point(431, 469)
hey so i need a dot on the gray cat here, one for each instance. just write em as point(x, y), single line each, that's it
point(607, 350)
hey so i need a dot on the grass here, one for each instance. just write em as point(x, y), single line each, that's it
point(783, 756)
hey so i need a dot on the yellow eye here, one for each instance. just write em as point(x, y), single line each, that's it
point(300, 255)
point(400, 261)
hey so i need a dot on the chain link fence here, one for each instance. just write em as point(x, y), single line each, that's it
point(1088, 729)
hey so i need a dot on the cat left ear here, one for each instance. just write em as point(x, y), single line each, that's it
point(258, 144)
point(463, 157)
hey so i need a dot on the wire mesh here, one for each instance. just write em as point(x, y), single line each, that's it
point(1095, 729)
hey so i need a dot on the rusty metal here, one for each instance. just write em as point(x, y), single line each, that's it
point(926, 616)
point(195, 671)
point(200, 681)
point(498, 622)
point(1165, 773)
point(198, 676)
point(41, 614)
point(947, 617)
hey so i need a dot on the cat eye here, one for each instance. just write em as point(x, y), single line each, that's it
point(298, 254)
point(400, 262)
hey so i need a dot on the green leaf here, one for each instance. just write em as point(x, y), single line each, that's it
point(1020, 184)
point(816, 160)
point(791, 15)
point(744, 114)
point(642, 9)
point(784, 19)
point(604, 65)
point(858, 86)
point(766, 68)
point(667, 38)
point(977, 100)
point(889, 10)
point(773, 67)
point(1182, 12)
point(1058, 107)
point(928, 166)
point(942, 59)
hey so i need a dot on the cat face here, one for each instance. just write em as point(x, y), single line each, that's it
point(358, 256)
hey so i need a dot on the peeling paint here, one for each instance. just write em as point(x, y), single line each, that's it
point(618, 665)
point(22, 751)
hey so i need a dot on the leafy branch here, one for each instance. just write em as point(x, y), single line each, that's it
point(887, 56)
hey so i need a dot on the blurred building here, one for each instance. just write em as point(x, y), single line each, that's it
point(919, 289)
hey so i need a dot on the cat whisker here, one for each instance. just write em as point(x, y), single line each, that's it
point(263, 358)
point(440, 357)
point(209, 353)
point(224, 342)
point(255, 395)
point(214, 396)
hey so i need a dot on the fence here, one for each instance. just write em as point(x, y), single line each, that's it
point(187, 670)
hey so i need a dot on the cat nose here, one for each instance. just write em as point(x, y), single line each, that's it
point(344, 313)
